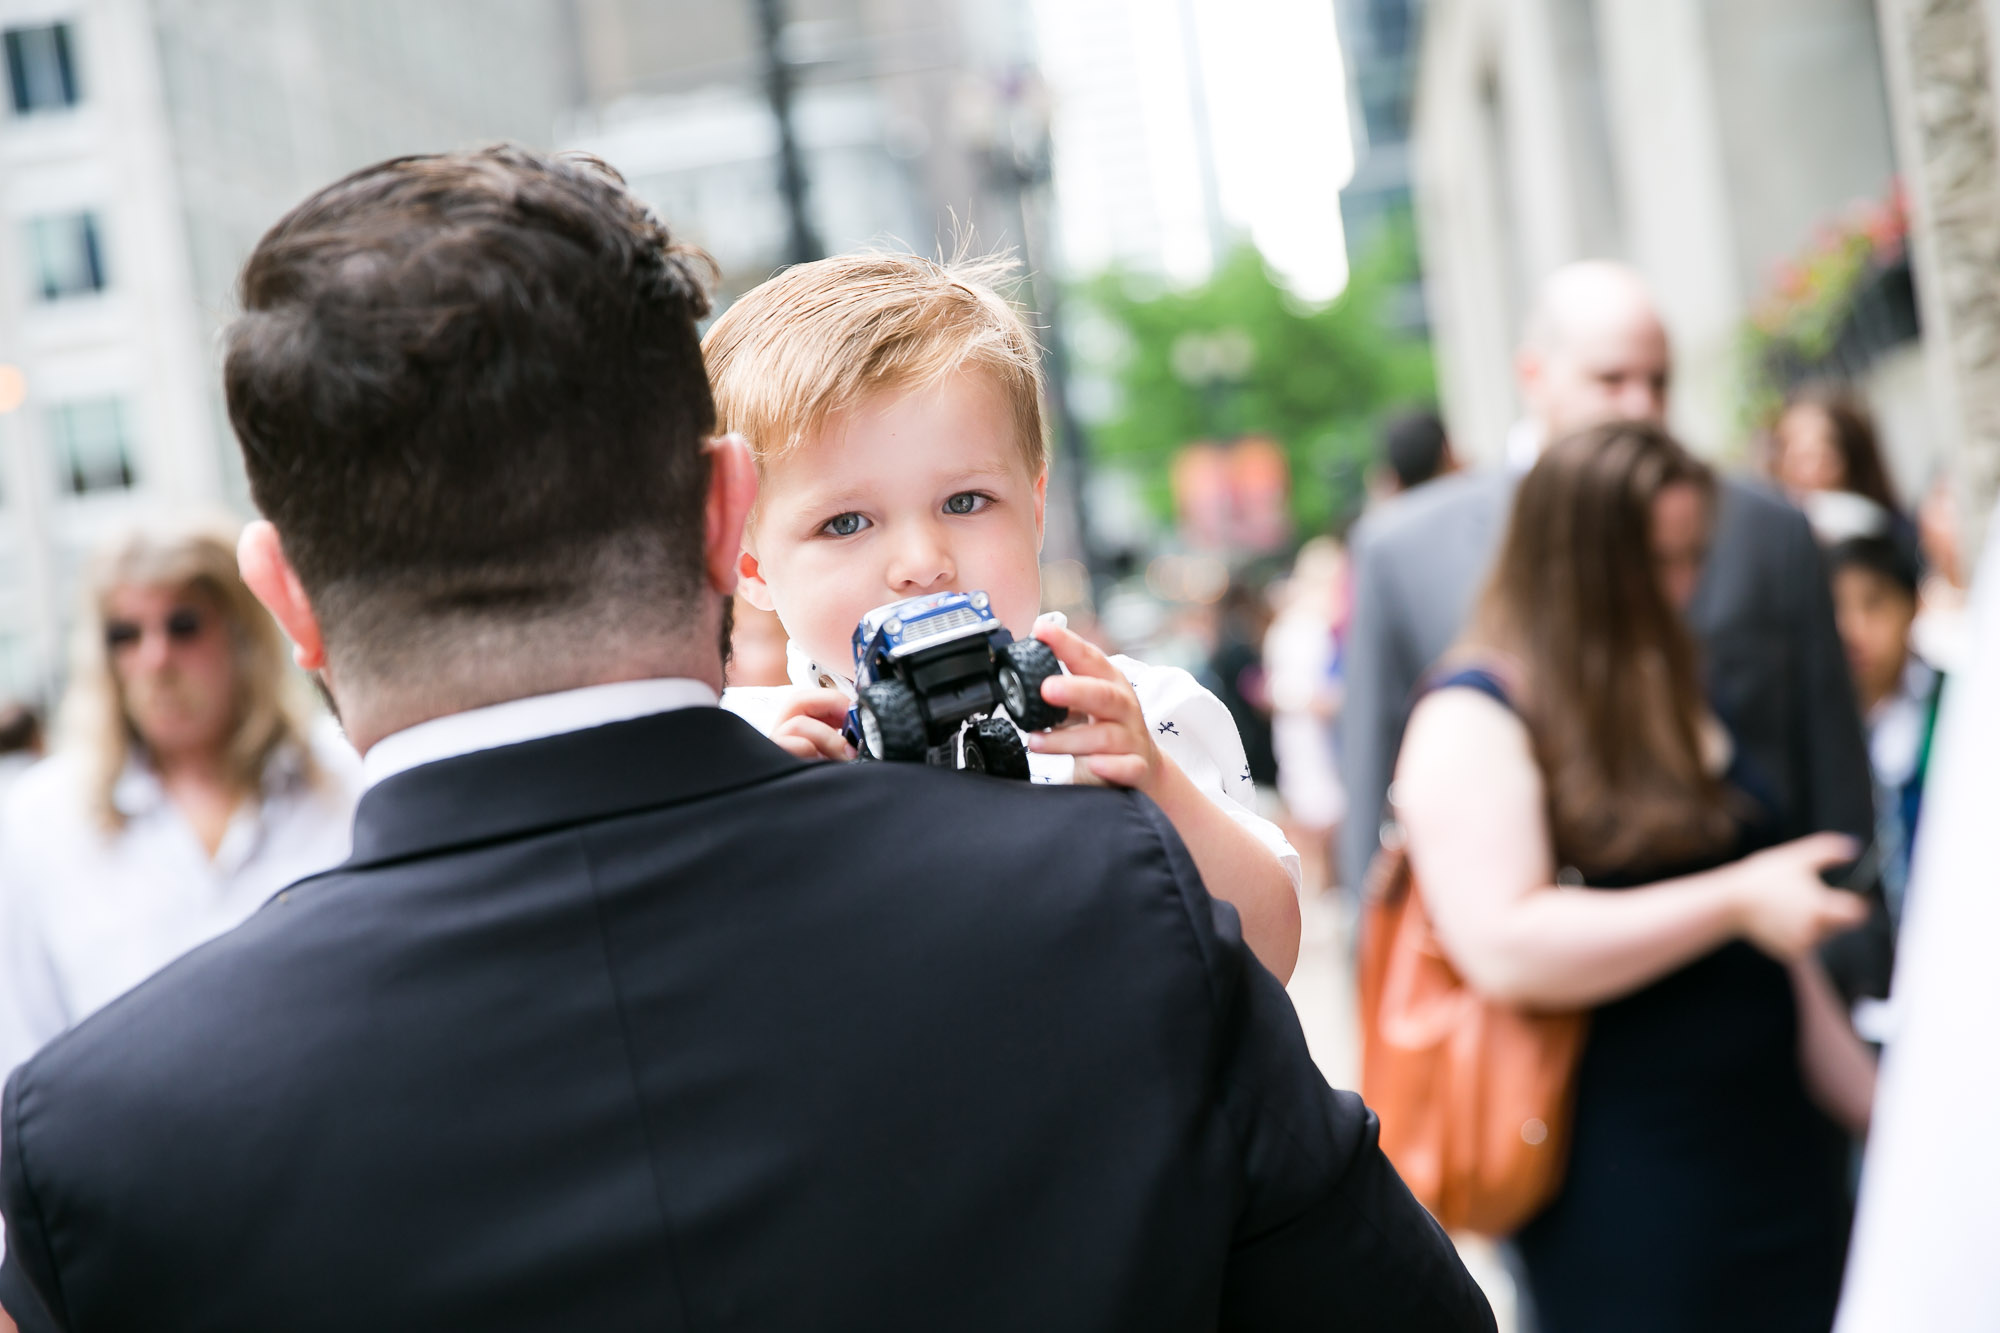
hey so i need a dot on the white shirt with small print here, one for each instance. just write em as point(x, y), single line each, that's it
point(1189, 724)
point(86, 913)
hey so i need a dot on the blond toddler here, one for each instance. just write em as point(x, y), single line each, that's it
point(893, 406)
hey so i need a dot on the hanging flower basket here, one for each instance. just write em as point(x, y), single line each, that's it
point(1833, 312)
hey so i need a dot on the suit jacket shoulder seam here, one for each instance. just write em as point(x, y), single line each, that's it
point(577, 834)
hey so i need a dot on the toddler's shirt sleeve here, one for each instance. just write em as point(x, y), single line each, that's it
point(755, 704)
point(1193, 728)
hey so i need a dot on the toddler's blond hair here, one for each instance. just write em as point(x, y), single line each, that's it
point(824, 336)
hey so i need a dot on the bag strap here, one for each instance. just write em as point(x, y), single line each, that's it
point(1389, 878)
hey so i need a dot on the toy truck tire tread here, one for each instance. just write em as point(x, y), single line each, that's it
point(892, 722)
point(1001, 747)
point(1023, 666)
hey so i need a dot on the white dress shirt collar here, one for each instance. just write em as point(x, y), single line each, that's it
point(1524, 445)
point(528, 719)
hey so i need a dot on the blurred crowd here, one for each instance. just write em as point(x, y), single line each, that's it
point(1597, 662)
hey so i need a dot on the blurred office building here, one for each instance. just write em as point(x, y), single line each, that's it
point(1379, 41)
point(912, 123)
point(143, 149)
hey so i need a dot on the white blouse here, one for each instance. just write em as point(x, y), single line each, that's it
point(87, 914)
point(1190, 725)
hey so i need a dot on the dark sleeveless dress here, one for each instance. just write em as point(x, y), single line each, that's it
point(1704, 1191)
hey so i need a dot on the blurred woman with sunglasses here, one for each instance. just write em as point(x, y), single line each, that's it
point(187, 785)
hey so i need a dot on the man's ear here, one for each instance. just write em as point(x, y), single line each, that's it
point(732, 490)
point(260, 556)
point(1041, 506)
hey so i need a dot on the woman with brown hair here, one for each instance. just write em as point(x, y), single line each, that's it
point(1825, 440)
point(1586, 839)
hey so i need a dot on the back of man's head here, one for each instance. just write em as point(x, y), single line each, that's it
point(471, 400)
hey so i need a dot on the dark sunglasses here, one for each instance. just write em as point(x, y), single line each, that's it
point(182, 626)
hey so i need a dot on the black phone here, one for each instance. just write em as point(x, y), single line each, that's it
point(1862, 875)
point(1860, 962)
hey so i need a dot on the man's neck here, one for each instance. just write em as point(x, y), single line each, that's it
point(380, 714)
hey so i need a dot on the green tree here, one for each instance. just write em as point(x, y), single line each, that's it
point(1241, 355)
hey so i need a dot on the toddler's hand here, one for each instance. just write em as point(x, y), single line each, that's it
point(809, 723)
point(1115, 746)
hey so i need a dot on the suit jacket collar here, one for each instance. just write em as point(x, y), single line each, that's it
point(571, 778)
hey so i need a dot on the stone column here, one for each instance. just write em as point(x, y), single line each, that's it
point(1940, 59)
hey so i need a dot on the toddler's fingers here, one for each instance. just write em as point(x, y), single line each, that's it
point(1843, 910)
point(1091, 738)
point(1118, 770)
point(822, 741)
point(1087, 694)
point(798, 747)
point(828, 707)
point(1079, 654)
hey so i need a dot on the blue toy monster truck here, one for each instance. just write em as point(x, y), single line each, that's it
point(929, 673)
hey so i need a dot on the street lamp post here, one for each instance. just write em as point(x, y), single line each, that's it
point(803, 244)
point(1019, 161)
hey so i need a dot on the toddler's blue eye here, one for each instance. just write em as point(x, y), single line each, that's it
point(845, 525)
point(965, 502)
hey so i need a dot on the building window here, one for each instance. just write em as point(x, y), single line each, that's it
point(92, 451)
point(41, 68)
point(66, 254)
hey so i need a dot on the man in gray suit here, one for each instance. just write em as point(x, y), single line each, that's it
point(1596, 351)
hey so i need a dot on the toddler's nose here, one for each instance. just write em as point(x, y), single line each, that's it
point(921, 564)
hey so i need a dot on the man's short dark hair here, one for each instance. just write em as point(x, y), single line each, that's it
point(1413, 447)
point(469, 390)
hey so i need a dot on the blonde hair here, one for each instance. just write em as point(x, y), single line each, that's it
point(272, 707)
point(823, 336)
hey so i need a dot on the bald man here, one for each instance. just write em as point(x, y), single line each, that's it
point(1595, 350)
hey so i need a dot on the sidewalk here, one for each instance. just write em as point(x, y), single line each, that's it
point(1322, 990)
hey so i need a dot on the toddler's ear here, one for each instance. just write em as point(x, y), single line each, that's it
point(1041, 507)
point(750, 582)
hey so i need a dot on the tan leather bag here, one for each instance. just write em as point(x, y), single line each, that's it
point(1474, 1097)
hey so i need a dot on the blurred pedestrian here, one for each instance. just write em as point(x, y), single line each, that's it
point(1929, 1219)
point(187, 784)
point(20, 742)
point(1595, 351)
point(1828, 459)
point(1825, 440)
point(1587, 834)
point(1302, 666)
point(1414, 448)
point(1235, 674)
point(1875, 600)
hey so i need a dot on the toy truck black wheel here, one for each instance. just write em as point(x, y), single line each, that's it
point(1024, 665)
point(892, 725)
point(1000, 749)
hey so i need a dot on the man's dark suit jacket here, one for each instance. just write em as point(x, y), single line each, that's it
point(652, 1027)
point(1764, 617)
